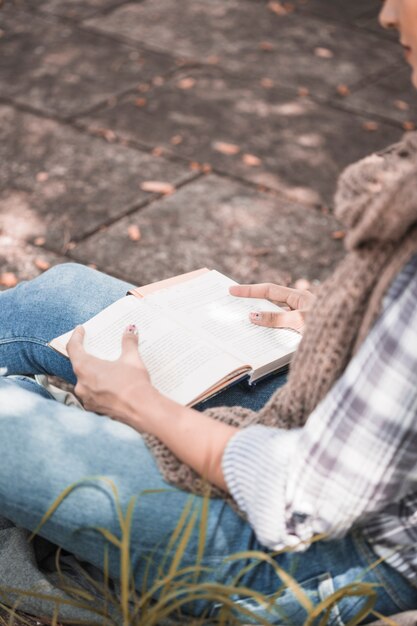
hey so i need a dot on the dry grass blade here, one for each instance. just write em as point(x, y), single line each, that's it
point(388, 621)
point(288, 580)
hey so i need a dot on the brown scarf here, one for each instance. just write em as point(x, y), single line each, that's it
point(376, 200)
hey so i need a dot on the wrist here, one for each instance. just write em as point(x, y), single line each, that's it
point(148, 410)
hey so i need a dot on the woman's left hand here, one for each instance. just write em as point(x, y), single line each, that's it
point(108, 387)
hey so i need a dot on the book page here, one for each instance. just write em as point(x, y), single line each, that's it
point(181, 365)
point(205, 305)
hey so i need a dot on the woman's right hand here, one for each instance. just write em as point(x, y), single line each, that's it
point(297, 303)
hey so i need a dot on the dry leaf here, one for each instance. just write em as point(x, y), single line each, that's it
point(134, 232)
point(176, 139)
point(303, 92)
point(42, 177)
point(93, 266)
point(267, 83)
point(338, 234)
point(409, 126)
point(157, 186)
point(206, 168)
point(260, 251)
point(401, 105)
point(186, 83)
point(343, 90)
point(194, 166)
point(277, 7)
point(39, 241)
point(158, 151)
point(370, 126)
point(8, 279)
point(141, 102)
point(267, 46)
point(108, 134)
point(323, 53)
point(43, 265)
point(226, 148)
point(251, 160)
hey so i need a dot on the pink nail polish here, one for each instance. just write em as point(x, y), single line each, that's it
point(132, 329)
point(255, 315)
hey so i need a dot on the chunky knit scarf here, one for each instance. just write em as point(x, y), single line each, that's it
point(376, 200)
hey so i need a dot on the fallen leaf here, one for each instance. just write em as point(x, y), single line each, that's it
point(108, 134)
point(260, 251)
point(194, 166)
point(157, 186)
point(343, 90)
point(338, 234)
point(8, 279)
point(277, 7)
point(251, 160)
point(401, 105)
point(176, 139)
point(141, 102)
point(226, 148)
point(206, 168)
point(303, 92)
point(267, 83)
point(93, 266)
point(134, 232)
point(323, 53)
point(409, 126)
point(39, 241)
point(42, 177)
point(370, 126)
point(43, 265)
point(267, 46)
point(158, 151)
point(186, 83)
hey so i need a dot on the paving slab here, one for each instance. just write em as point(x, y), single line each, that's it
point(392, 96)
point(58, 69)
point(72, 9)
point(221, 224)
point(269, 136)
point(247, 37)
point(60, 184)
point(342, 10)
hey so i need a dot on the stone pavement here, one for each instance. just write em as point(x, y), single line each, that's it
point(153, 137)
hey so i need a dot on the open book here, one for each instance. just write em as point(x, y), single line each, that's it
point(195, 338)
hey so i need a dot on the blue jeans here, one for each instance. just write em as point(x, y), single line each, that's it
point(45, 446)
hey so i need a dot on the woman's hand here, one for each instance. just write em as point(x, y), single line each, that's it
point(122, 389)
point(113, 388)
point(297, 301)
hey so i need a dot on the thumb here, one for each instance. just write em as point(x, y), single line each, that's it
point(130, 345)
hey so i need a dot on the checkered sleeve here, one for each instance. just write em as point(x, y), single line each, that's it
point(357, 452)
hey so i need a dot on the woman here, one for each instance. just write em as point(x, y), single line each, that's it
point(345, 470)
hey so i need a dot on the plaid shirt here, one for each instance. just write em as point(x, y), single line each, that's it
point(354, 463)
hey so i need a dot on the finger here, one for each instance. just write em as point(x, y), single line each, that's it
point(130, 345)
point(269, 291)
point(292, 319)
point(75, 346)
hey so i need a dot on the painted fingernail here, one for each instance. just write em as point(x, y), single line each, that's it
point(131, 329)
point(255, 315)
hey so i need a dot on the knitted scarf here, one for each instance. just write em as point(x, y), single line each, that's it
point(376, 200)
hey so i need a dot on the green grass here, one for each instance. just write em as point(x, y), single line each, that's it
point(177, 586)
